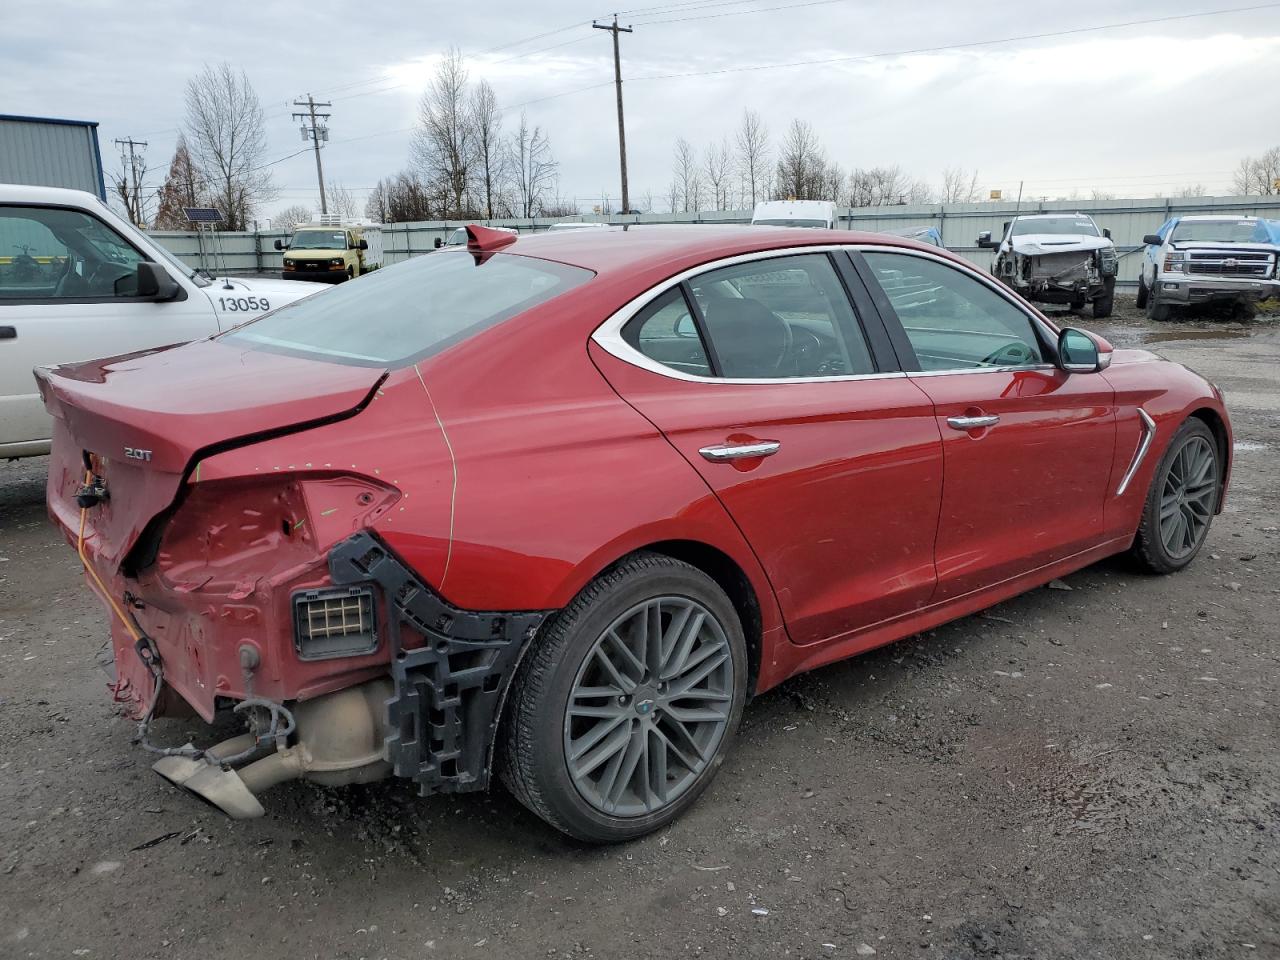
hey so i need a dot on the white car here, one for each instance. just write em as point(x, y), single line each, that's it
point(1057, 258)
point(1206, 258)
point(78, 282)
point(820, 214)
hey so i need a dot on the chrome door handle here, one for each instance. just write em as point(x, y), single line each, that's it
point(972, 423)
point(740, 451)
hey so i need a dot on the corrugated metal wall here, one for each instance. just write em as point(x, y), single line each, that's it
point(51, 153)
point(960, 223)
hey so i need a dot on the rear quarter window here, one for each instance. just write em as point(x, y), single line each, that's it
point(412, 310)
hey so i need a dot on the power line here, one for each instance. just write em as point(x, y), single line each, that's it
point(739, 13)
point(958, 46)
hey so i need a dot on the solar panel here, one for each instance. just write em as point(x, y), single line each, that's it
point(202, 215)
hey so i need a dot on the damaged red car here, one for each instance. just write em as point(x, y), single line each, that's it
point(553, 508)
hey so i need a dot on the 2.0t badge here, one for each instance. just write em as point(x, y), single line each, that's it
point(137, 453)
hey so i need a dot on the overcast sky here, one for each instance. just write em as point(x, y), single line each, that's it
point(1135, 111)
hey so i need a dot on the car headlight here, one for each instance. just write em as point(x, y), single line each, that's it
point(1174, 262)
point(336, 262)
point(288, 264)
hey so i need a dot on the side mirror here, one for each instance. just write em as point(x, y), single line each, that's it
point(1153, 240)
point(154, 282)
point(279, 245)
point(439, 242)
point(985, 241)
point(1080, 351)
point(1106, 232)
point(364, 244)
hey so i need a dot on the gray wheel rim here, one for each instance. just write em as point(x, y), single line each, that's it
point(1187, 497)
point(649, 707)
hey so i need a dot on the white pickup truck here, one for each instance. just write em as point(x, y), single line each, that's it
point(1203, 258)
point(78, 282)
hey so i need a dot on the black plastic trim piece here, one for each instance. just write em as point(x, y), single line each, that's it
point(443, 717)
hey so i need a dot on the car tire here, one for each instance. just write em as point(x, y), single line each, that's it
point(1157, 311)
point(1188, 482)
point(351, 273)
point(558, 763)
point(1141, 299)
point(1103, 306)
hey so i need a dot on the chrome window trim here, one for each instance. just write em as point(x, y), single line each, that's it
point(609, 334)
point(1050, 334)
point(1140, 454)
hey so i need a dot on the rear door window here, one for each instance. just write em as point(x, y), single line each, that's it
point(781, 318)
point(412, 310)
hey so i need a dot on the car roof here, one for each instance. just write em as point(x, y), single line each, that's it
point(1050, 216)
point(1216, 216)
point(680, 246)
point(24, 193)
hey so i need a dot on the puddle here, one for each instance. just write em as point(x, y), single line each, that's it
point(1242, 446)
point(1171, 336)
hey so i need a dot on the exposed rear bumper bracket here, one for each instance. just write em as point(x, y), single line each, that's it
point(443, 716)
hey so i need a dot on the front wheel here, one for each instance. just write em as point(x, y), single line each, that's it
point(623, 711)
point(1181, 500)
point(1156, 310)
point(1103, 306)
point(1141, 299)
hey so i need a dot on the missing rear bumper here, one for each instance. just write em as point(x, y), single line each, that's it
point(450, 667)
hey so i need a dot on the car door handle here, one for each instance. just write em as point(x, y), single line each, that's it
point(972, 423)
point(725, 453)
point(8, 333)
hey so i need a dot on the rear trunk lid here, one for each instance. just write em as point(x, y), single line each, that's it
point(144, 420)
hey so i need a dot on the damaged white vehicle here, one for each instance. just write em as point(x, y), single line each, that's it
point(1057, 258)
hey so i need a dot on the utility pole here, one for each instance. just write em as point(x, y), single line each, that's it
point(315, 132)
point(135, 203)
point(617, 82)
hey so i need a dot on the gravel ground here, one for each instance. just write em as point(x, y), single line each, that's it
point(1083, 773)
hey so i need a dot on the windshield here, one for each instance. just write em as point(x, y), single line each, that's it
point(791, 223)
point(1221, 231)
point(1072, 226)
point(412, 310)
point(319, 240)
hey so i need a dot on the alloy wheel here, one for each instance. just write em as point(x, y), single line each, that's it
point(1187, 497)
point(649, 706)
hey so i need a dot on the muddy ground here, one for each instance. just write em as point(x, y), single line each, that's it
point(1090, 773)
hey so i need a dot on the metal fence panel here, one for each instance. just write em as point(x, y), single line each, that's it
point(959, 223)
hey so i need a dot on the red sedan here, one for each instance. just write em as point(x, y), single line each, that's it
point(556, 507)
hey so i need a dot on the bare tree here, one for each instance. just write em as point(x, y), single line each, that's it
point(1097, 193)
point(486, 127)
point(1191, 190)
point(340, 201)
point(183, 187)
point(403, 198)
point(801, 165)
point(959, 185)
point(673, 195)
point(688, 175)
point(443, 145)
point(718, 168)
point(290, 217)
point(752, 144)
point(884, 186)
point(533, 168)
point(1259, 176)
point(224, 127)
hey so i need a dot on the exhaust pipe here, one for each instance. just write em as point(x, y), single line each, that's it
point(339, 741)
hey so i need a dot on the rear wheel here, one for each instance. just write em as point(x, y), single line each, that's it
point(622, 713)
point(1181, 500)
point(1142, 292)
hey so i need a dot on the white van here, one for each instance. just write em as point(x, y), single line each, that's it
point(78, 282)
point(820, 214)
